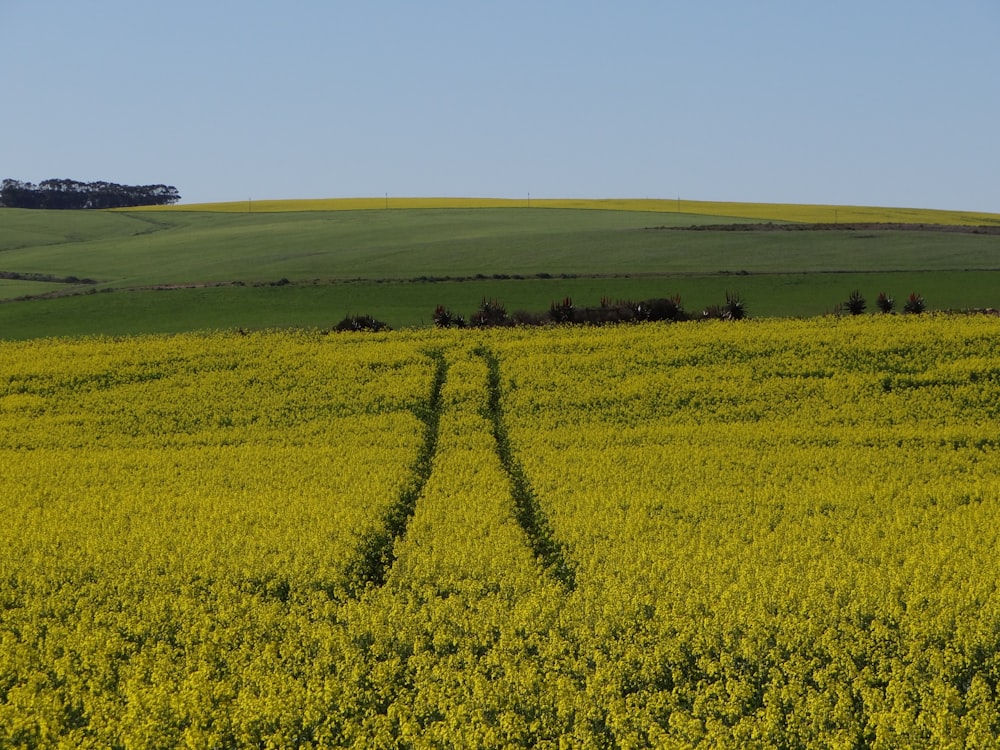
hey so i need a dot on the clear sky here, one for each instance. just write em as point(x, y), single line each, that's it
point(870, 102)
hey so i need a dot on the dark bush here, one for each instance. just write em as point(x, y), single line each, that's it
point(885, 303)
point(855, 303)
point(491, 313)
point(735, 308)
point(914, 304)
point(621, 310)
point(596, 316)
point(526, 318)
point(664, 308)
point(361, 323)
point(445, 318)
point(712, 312)
point(561, 312)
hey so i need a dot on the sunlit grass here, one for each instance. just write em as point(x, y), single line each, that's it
point(807, 213)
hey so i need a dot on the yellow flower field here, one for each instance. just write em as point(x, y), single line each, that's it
point(764, 534)
point(768, 211)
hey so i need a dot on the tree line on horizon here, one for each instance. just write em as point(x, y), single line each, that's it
point(72, 194)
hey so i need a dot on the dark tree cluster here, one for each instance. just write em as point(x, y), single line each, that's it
point(71, 194)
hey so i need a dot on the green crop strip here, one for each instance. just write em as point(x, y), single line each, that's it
point(528, 511)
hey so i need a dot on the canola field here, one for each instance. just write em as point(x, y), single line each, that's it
point(753, 534)
point(792, 212)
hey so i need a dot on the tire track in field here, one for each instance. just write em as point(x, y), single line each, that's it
point(375, 554)
point(527, 509)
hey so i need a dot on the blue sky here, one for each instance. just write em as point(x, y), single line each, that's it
point(881, 102)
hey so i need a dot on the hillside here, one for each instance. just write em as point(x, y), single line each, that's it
point(264, 264)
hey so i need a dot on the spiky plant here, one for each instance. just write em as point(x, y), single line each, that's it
point(712, 312)
point(562, 312)
point(491, 313)
point(885, 303)
point(735, 308)
point(445, 318)
point(855, 303)
point(914, 304)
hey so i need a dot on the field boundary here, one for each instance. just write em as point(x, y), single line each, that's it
point(87, 288)
point(527, 510)
point(857, 226)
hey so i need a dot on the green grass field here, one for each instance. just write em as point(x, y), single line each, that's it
point(344, 257)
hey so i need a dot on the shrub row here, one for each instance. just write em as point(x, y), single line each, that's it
point(493, 313)
point(856, 304)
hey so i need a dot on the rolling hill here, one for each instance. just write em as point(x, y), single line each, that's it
point(288, 263)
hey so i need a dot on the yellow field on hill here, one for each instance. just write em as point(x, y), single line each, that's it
point(769, 211)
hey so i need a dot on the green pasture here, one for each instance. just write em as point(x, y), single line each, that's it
point(14, 288)
point(398, 264)
point(146, 248)
point(404, 304)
